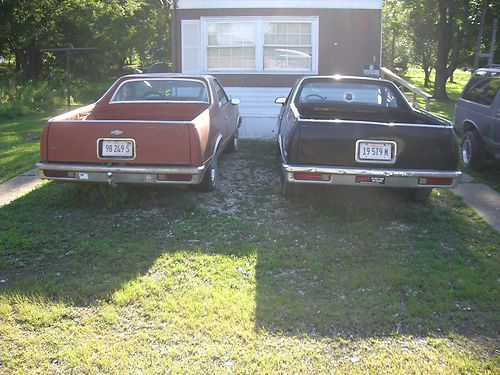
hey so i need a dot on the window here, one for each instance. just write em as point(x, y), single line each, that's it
point(221, 94)
point(317, 91)
point(260, 45)
point(288, 46)
point(482, 90)
point(231, 46)
point(154, 89)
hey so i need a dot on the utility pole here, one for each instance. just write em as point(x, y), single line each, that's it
point(484, 7)
point(493, 42)
point(68, 50)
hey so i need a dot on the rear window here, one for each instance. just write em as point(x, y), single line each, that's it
point(482, 88)
point(161, 90)
point(338, 92)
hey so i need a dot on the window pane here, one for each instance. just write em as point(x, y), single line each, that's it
point(333, 92)
point(152, 90)
point(481, 90)
point(231, 46)
point(288, 46)
point(284, 58)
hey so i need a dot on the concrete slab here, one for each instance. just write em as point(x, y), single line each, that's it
point(483, 199)
point(18, 186)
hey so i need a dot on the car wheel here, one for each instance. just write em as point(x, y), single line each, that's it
point(209, 181)
point(472, 150)
point(233, 143)
point(420, 195)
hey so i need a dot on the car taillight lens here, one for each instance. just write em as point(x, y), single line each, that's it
point(442, 181)
point(60, 174)
point(174, 177)
point(311, 176)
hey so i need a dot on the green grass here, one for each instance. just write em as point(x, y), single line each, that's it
point(444, 108)
point(241, 280)
point(20, 131)
point(19, 144)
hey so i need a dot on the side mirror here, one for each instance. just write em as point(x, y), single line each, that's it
point(280, 100)
point(235, 101)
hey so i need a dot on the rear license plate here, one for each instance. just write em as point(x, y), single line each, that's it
point(117, 148)
point(376, 151)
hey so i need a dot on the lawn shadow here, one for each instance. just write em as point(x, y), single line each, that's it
point(369, 262)
point(332, 262)
point(78, 245)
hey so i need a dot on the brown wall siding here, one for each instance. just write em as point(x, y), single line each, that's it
point(348, 40)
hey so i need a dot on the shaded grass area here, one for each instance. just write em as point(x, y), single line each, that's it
point(242, 280)
point(19, 144)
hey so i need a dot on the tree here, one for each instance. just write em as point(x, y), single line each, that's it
point(455, 26)
point(421, 21)
point(118, 28)
point(395, 41)
point(25, 24)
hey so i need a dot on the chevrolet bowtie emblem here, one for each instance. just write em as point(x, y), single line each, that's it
point(117, 132)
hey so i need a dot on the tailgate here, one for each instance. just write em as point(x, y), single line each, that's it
point(334, 144)
point(154, 142)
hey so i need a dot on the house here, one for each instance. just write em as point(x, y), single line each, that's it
point(257, 49)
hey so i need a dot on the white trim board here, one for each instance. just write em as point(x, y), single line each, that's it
point(259, 4)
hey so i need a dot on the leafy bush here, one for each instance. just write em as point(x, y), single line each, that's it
point(19, 97)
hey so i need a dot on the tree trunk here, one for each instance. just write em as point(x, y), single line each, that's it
point(31, 60)
point(444, 36)
point(427, 76)
point(18, 61)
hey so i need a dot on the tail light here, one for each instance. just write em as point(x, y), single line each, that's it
point(58, 174)
point(174, 177)
point(311, 176)
point(441, 181)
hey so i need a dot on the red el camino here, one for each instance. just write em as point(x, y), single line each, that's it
point(146, 129)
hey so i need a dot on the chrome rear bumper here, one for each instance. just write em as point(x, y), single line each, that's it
point(401, 178)
point(121, 174)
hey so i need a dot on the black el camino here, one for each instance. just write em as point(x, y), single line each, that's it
point(363, 132)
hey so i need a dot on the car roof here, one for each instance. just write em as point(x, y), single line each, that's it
point(341, 78)
point(488, 71)
point(168, 75)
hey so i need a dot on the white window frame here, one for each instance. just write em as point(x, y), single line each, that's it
point(259, 44)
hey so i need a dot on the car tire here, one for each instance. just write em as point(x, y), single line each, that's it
point(209, 181)
point(472, 151)
point(420, 195)
point(232, 145)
